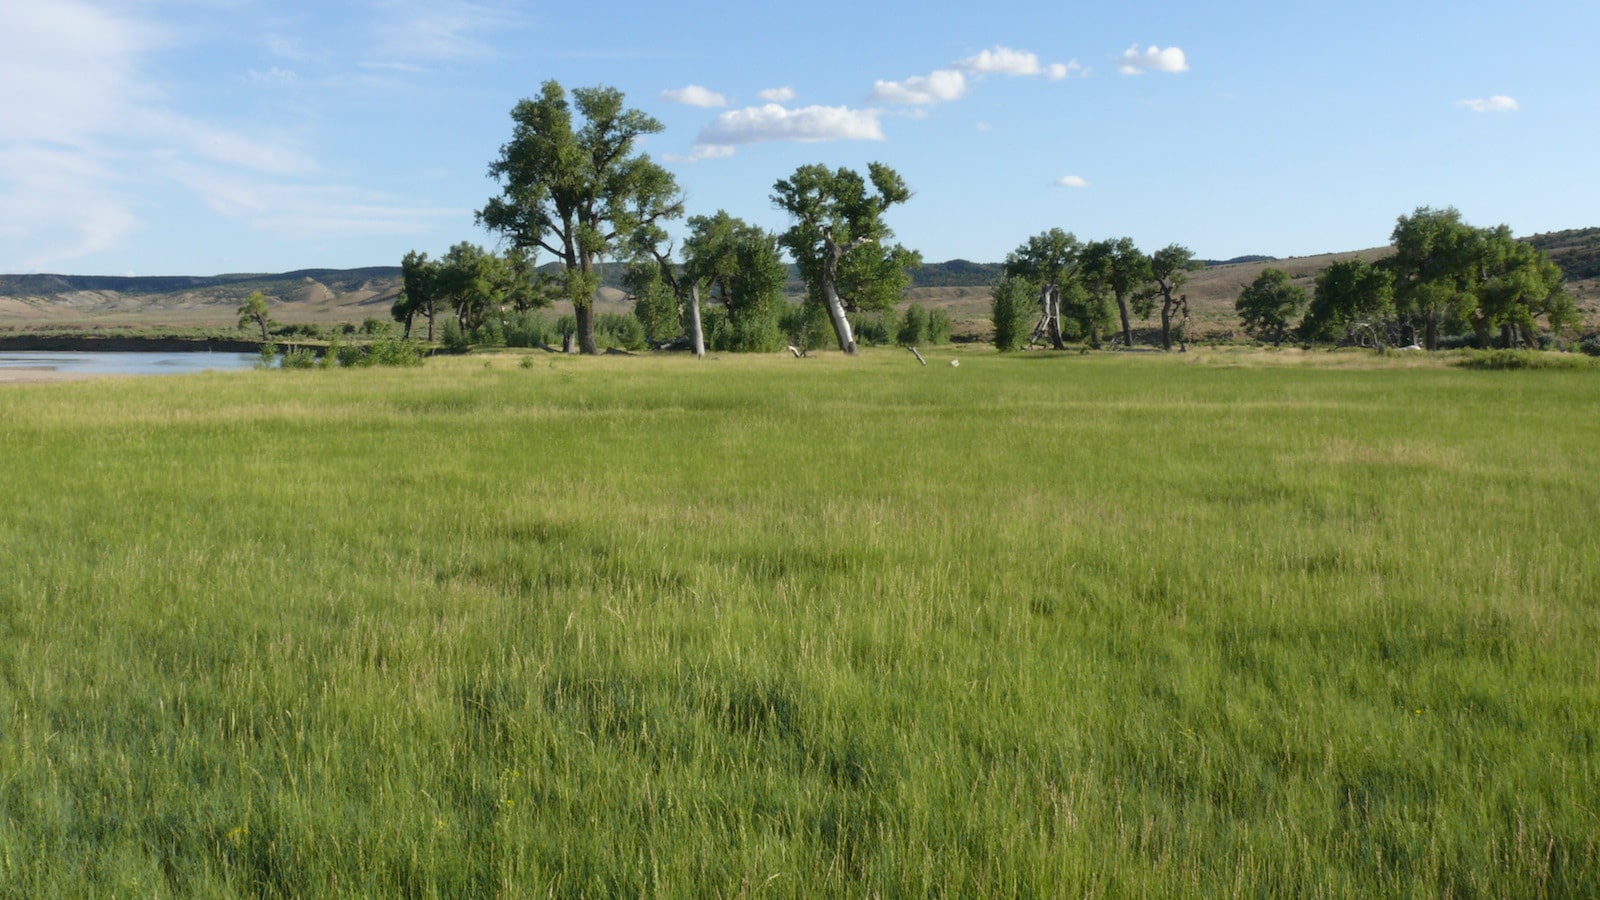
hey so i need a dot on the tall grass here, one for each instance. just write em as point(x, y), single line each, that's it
point(1042, 624)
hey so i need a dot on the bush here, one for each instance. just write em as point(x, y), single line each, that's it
point(298, 358)
point(454, 339)
point(529, 329)
point(374, 327)
point(1590, 345)
point(623, 330)
point(269, 355)
point(807, 326)
point(871, 330)
point(1520, 359)
point(914, 326)
point(939, 327)
point(394, 352)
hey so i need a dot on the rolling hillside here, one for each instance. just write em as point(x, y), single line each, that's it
point(322, 296)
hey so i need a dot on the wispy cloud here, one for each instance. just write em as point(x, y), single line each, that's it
point(695, 95)
point(773, 122)
point(1134, 61)
point(777, 94)
point(1072, 181)
point(1496, 104)
point(434, 31)
point(87, 129)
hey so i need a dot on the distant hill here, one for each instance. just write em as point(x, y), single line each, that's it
point(959, 286)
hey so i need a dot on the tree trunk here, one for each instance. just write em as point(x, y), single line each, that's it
point(1052, 312)
point(1127, 322)
point(1480, 329)
point(431, 312)
point(841, 323)
point(584, 315)
point(1166, 325)
point(695, 332)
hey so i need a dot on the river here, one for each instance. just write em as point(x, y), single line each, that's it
point(104, 362)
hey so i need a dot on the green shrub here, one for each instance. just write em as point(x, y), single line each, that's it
point(622, 330)
point(530, 329)
point(939, 327)
point(1590, 345)
point(394, 352)
point(871, 330)
point(914, 326)
point(269, 355)
point(374, 327)
point(1521, 359)
point(299, 358)
point(454, 339)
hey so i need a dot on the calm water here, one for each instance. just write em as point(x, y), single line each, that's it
point(132, 363)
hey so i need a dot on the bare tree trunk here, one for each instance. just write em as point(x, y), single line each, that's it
point(1127, 323)
point(1166, 325)
point(841, 323)
point(695, 332)
point(1052, 311)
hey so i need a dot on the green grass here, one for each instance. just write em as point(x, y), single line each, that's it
point(1222, 624)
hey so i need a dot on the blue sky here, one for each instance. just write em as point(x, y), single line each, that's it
point(209, 136)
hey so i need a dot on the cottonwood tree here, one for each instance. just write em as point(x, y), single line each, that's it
point(578, 190)
point(1348, 292)
point(1267, 304)
point(254, 311)
point(1447, 271)
point(472, 281)
point(419, 292)
point(1048, 261)
point(1169, 272)
point(837, 240)
point(738, 265)
point(1118, 268)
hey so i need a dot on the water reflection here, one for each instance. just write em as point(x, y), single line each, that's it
point(98, 362)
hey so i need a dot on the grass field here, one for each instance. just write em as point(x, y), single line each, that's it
point(1103, 625)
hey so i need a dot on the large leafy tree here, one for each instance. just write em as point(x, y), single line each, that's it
point(1267, 304)
point(837, 240)
point(419, 292)
point(738, 265)
point(1049, 262)
point(1433, 264)
point(1116, 267)
point(254, 311)
point(1348, 292)
point(1448, 272)
point(578, 189)
point(1168, 273)
point(473, 282)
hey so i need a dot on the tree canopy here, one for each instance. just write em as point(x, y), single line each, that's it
point(579, 191)
point(1267, 304)
point(837, 240)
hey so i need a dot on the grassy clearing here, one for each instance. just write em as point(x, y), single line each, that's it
point(1060, 625)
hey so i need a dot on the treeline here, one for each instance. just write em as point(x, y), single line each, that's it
point(573, 185)
point(1445, 278)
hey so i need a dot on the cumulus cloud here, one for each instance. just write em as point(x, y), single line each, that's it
point(777, 95)
point(772, 122)
point(1496, 104)
point(1002, 61)
point(1134, 61)
point(695, 95)
point(1058, 71)
point(1072, 181)
point(944, 84)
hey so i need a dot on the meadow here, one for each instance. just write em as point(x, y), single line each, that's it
point(1212, 624)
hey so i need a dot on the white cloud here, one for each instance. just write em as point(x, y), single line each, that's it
point(1002, 61)
point(1134, 61)
point(772, 122)
point(302, 211)
point(777, 95)
point(695, 95)
point(944, 84)
point(701, 153)
point(1058, 71)
point(1072, 181)
point(1496, 104)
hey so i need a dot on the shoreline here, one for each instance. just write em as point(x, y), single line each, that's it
point(125, 344)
